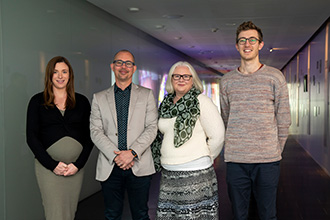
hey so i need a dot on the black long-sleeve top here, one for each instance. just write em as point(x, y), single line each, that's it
point(46, 125)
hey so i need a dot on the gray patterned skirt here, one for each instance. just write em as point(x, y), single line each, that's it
point(189, 195)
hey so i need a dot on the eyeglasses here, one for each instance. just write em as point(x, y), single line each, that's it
point(252, 40)
point(185, 77)
point(129, 64)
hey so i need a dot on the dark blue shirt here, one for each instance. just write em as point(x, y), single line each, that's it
point(122, 98)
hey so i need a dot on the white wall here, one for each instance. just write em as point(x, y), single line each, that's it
point(34, 31)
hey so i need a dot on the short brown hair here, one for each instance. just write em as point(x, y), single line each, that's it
point(248, 25)
point(48, 90)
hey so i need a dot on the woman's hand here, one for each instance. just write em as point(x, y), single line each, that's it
point(72, 170)
point(60, 169)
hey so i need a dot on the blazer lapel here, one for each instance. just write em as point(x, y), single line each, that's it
point(133, 100)
point(112, 103)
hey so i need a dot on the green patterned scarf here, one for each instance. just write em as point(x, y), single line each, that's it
point(187, 112)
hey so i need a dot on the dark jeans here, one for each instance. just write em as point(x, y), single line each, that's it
point(262, 180)
point(137, 190)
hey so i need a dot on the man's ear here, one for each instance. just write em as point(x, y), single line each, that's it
point(261, 45)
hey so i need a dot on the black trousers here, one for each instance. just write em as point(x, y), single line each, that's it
point(137, 190)
point(260, 179)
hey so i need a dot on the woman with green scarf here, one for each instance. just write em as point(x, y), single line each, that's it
point(190, 137)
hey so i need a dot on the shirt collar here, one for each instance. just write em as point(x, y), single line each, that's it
point(117, 89)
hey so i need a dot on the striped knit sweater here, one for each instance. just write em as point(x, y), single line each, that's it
point(256, 112)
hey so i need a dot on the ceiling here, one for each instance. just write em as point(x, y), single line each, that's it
point(205, 29)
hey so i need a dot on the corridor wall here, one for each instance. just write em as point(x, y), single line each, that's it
point(307, 75)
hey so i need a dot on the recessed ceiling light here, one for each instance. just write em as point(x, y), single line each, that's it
point(214, 30)
point(280, 48)
point(133, 9)
point(272, 49)
point(172, 16)
point(178, 38)
point(160, 26)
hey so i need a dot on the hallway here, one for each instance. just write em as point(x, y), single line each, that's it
point(304, 191)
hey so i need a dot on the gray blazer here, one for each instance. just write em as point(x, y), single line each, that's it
point(141, 130)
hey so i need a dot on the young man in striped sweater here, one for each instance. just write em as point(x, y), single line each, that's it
point(256, 112)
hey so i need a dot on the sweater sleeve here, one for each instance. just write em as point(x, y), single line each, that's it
point(85, 132)
point(212, 124)
point(224, 104)
point(282, 111)
point(33, 135)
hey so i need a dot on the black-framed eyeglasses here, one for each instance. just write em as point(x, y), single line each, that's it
point(128, 64)
point(185, 77)
point(252, 40)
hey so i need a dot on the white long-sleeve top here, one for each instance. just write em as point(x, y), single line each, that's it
point(207, 138)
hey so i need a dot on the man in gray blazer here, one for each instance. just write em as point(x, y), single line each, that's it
point(123, 124)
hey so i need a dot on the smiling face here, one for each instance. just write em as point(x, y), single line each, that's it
point(247, 51)
point(123, 74)
point(181, 86)
point(61, 76)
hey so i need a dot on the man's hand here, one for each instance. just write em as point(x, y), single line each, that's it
point(124, 159)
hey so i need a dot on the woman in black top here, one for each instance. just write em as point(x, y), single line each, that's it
point(58, 135)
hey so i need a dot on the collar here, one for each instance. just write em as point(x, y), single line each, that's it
point(117, 89)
